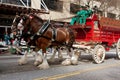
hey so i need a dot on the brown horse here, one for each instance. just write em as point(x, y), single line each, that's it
point(42, 34)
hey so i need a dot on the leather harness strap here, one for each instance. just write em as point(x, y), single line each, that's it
point(54, 34)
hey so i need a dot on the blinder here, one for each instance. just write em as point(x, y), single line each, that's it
point(17, 26)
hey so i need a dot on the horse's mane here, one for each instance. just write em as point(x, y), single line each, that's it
point(37, 17)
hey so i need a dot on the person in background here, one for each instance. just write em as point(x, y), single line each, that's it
point(81, 16)
point(23, 42)
point(77, 17)
point(7, 38)
point(1, 43)
point(15, 42)
point(12, 37)
point(89, 12)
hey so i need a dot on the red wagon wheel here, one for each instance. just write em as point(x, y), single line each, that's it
point(98, 54)
point(118, 49)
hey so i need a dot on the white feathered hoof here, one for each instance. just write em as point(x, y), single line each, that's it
point(74, 58)
point(38, 60)
point(22, 61)
point(66, 62)
point(74, 61)
point(44, 65)
point(36, 63)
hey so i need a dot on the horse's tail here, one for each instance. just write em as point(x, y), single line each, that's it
point(72, 38)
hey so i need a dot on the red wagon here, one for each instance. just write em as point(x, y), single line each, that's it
point(97, 36)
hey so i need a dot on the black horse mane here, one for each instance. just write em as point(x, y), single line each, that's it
point(37, 17)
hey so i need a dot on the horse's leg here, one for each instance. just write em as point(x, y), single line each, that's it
point(38, 58)
point(60, 56)
point(67, 61)
point(23, 59)
point(72, 58)
point(75, 56)
point(44, 64)
point(52, 58)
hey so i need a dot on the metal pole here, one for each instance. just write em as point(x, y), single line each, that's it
point(27, 3)
point(1, 1)
point(44, 5)
point(92, 3)
point(23, 3)
point(6, 29)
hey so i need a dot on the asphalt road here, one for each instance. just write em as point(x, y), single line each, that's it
point(85, 70)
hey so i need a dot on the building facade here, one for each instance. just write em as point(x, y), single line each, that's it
point(62, 10)
point(59, 10)
point(8, 10)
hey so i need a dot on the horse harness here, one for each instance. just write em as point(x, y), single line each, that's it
point(43, 29)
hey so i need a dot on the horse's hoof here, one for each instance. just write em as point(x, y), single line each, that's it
point(22, 62)
point(36, 63)
point(66, 62)
point(74, 62)
point(43, 66)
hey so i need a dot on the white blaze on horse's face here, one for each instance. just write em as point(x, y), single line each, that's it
point(13, 22)
point(20, 25)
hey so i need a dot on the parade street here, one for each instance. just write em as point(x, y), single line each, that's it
point(85, 70)
point(59, 39)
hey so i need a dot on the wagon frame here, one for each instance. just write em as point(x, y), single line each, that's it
point(97, 36)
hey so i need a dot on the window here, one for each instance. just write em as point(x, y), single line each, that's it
point(118, 17)
point(6, 22)
point(74, 8)
point(54, 5)
point(111, 15)
point(17, 2)
point(100, 12)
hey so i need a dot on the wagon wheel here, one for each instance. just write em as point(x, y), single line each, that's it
point(118, 49)
point(98, 54)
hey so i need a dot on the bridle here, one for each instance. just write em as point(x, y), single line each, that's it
point(27, 29)
point(18, 24)
point(15, 23)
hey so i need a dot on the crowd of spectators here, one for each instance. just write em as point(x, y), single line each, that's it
point(9, 40)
